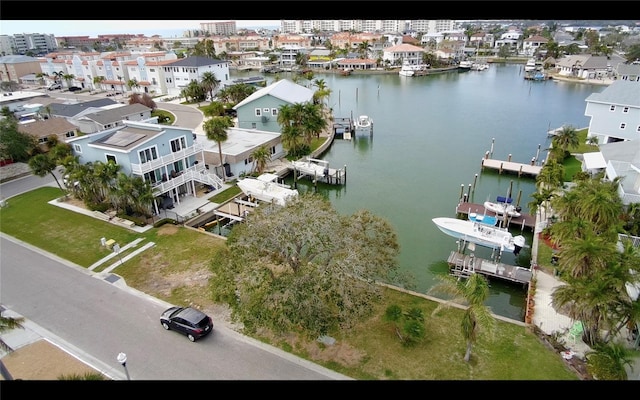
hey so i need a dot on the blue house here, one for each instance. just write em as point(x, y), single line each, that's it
point(167, 157)
point(260, 109)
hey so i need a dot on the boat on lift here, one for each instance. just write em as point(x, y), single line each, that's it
point(481, 234)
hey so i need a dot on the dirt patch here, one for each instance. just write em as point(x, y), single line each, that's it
point(43, 360)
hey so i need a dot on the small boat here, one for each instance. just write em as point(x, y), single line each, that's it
point(480, 234)
point(364, 122)
point(490, 220)
point(266, 188)
point(479, 66)
point(345, 71)
point(465, 65)
point(502, 208)
point(413, 69)
point(530, 65)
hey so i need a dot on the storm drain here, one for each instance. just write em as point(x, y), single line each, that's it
point(112, 278)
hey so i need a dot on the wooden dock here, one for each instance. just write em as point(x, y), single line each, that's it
point(318, 171)
point(462, 265)
point(523, 221)
point(511, 167)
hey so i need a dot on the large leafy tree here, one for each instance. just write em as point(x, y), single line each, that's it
point(143, 99)
point(292, 271)
point(472, 292)
point(15, 145)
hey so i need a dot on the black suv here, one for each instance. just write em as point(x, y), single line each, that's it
point(186, 320)
point(74, 88)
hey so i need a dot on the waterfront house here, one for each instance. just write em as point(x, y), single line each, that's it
point(260, 110)
point(531, 44)
point(403, 54)
point(237, 150)
point(168, 157)
point(587, 66)
point(628, 72)
point(623, 159)
point(615, 112)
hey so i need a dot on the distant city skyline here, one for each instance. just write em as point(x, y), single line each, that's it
point(93, 28)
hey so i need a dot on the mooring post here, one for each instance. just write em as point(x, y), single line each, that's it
point(475, 179)
point(461, 191)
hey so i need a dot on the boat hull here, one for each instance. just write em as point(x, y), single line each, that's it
point(267, 191)
point(480, 234)
point(502, 209)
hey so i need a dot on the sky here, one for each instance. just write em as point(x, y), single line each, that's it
point(103, 27)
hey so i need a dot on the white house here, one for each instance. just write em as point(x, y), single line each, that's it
point(179, 73)
point(615, 112)
point(403, 54)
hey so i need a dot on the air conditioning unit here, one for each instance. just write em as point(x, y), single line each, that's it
point(265, 119)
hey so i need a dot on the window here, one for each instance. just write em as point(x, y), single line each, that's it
point(253, 125)
point(274, 112)
point(147, 155)
point(623, 125)
point(638, 129)
point(258, 112)
point(248, 161)
point(178, 144)
point(111, 157)
point(77, 148)
point(266, 111)
point(612, 108)
point(70, 134)
point(273, 150)
point(625, 110)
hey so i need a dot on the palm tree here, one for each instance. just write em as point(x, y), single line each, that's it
point(566, 139)
point(121, 82)
point(97, 80)
point(68, 78)
point(209, 83)
point(42, 164)
point(216, 130)
point(261, 157)
point(473, 291)
point(133, 84)
point(7, 324)
point(607, 362)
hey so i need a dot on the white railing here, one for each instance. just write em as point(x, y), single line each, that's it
point(197, 173)
point(141, 169)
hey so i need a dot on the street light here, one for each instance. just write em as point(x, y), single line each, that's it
point(122, 359)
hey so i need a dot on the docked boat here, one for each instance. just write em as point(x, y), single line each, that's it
point(479, 66)
point(530, 66)
point(465, 65)
point(480, 234)
point(266, 188)
point(413, 69)
point(345, 71)
point(490, 220)
point(363, 123)
point(502, 208)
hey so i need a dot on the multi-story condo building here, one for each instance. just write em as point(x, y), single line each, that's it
point(35, 42)
point(6, 45)
point(13, 67)
point(341, 25)
point(431, 25)
point(219, 28)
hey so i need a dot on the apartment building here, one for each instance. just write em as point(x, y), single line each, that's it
point(225, 28)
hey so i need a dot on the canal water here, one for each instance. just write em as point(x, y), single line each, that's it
point(429, 137)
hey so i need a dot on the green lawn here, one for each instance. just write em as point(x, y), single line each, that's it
point(177, 267)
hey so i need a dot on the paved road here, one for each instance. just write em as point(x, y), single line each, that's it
point(102, 319)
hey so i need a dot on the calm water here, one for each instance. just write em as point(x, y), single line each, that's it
point(430, 134)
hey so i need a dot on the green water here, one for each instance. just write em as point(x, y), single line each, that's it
point(430, 134)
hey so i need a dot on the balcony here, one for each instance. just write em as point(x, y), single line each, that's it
point(196, 173)
point(141, 169)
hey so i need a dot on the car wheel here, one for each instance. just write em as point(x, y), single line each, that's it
point(165, 325)
point(191, 337)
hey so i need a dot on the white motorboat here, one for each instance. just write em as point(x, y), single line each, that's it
point(413, 69)
point(364, 122)
point(502, 208)
point(266, 188)
point(465, 65)
point(530, 66)
point(480, 234)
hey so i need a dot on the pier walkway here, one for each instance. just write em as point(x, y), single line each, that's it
point(463, 265)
